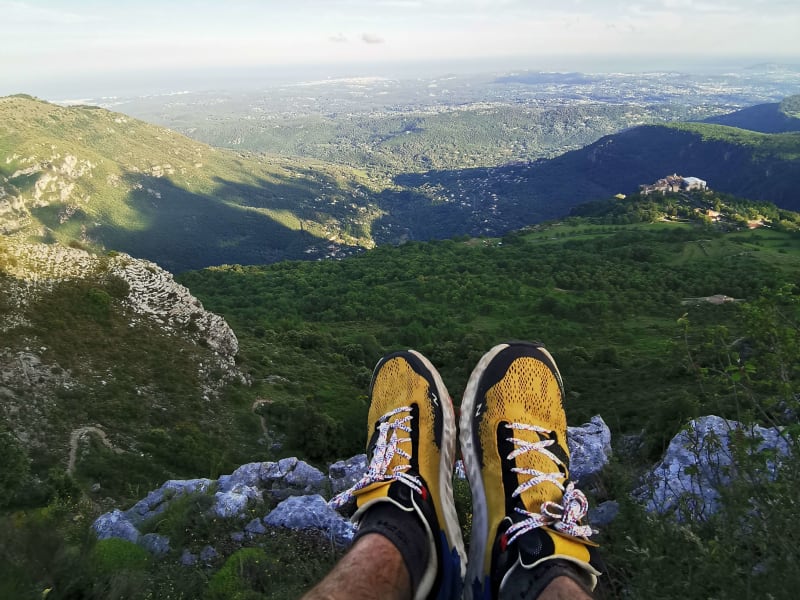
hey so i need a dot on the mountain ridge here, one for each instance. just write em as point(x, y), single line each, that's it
point(777, 117)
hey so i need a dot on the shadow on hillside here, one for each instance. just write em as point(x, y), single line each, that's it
point(308, 193)
point(184, 230)
point(511, 196)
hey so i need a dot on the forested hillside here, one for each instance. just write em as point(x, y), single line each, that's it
point(605, 297)
point(396, 140)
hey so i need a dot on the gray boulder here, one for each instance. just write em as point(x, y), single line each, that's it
point(604, 513)
point(699, 462)
point(157, 501)
point(208, 554)
point(345, 473)
point(305, 477)
point(115, 524)
point(155, 544)
point(291, 477)
point(255, 527)
point(233, 503)
point(311, 512)
point(590, 450)
point(247, 475)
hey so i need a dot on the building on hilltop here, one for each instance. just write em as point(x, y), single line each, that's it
point(694, 183)
point(674, 183)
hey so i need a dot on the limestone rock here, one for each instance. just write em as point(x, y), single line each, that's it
point(256, 527)
point(31, 383)
point(311, 512)
point(208, 554)
point(604, 513)
point(234, 502)
point(115, 524)
point(345, 473)
point(291, 477)
point(157, 501)
point(698, 462)
point(155, 544)
point(247, 475)
point(589, 448)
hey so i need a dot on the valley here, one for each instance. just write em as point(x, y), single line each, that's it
point(393, 125)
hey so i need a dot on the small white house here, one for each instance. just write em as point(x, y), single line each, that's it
point(694, 183)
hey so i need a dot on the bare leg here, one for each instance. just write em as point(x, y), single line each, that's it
point(563, 588)
point(372, 568)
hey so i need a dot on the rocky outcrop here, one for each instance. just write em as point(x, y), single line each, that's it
point(295, 489)
point(311, 512)
point(589, 449)
point(31, 381)
point(700, 461)
point(153, 293)
point(345, 473)
point(293, 486)
point(55, 179)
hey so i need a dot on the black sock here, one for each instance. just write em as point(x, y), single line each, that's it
point(528, 584)
point(405, 530)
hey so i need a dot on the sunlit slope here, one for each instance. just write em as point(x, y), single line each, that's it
point(86, 175)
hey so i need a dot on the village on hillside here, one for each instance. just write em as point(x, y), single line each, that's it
point(674, 183)
point(678, 184)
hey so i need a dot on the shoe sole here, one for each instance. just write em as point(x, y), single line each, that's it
point(472, 466)
point(451, 524)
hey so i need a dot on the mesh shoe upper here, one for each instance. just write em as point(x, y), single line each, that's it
point(513, 437)
point(411, 447)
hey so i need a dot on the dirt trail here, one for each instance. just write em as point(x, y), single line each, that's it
point(258, 402)
point(75, 437)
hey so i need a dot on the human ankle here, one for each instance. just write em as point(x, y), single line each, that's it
point(405, 530)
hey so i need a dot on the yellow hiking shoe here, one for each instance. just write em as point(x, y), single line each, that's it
point(527, 515)
point(411, 450)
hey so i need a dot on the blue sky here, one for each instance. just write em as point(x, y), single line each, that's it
point(91, 38)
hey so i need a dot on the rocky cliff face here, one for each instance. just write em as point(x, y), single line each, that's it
point(55, 179)
point(34, 380)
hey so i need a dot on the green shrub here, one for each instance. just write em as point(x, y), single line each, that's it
point(244, 576)
point(189, 522)
point(113, 555)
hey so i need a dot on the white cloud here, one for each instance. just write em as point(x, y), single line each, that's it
point(371, 38)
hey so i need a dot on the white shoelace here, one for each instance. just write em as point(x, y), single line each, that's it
point(386, 447)
point(564, 517)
